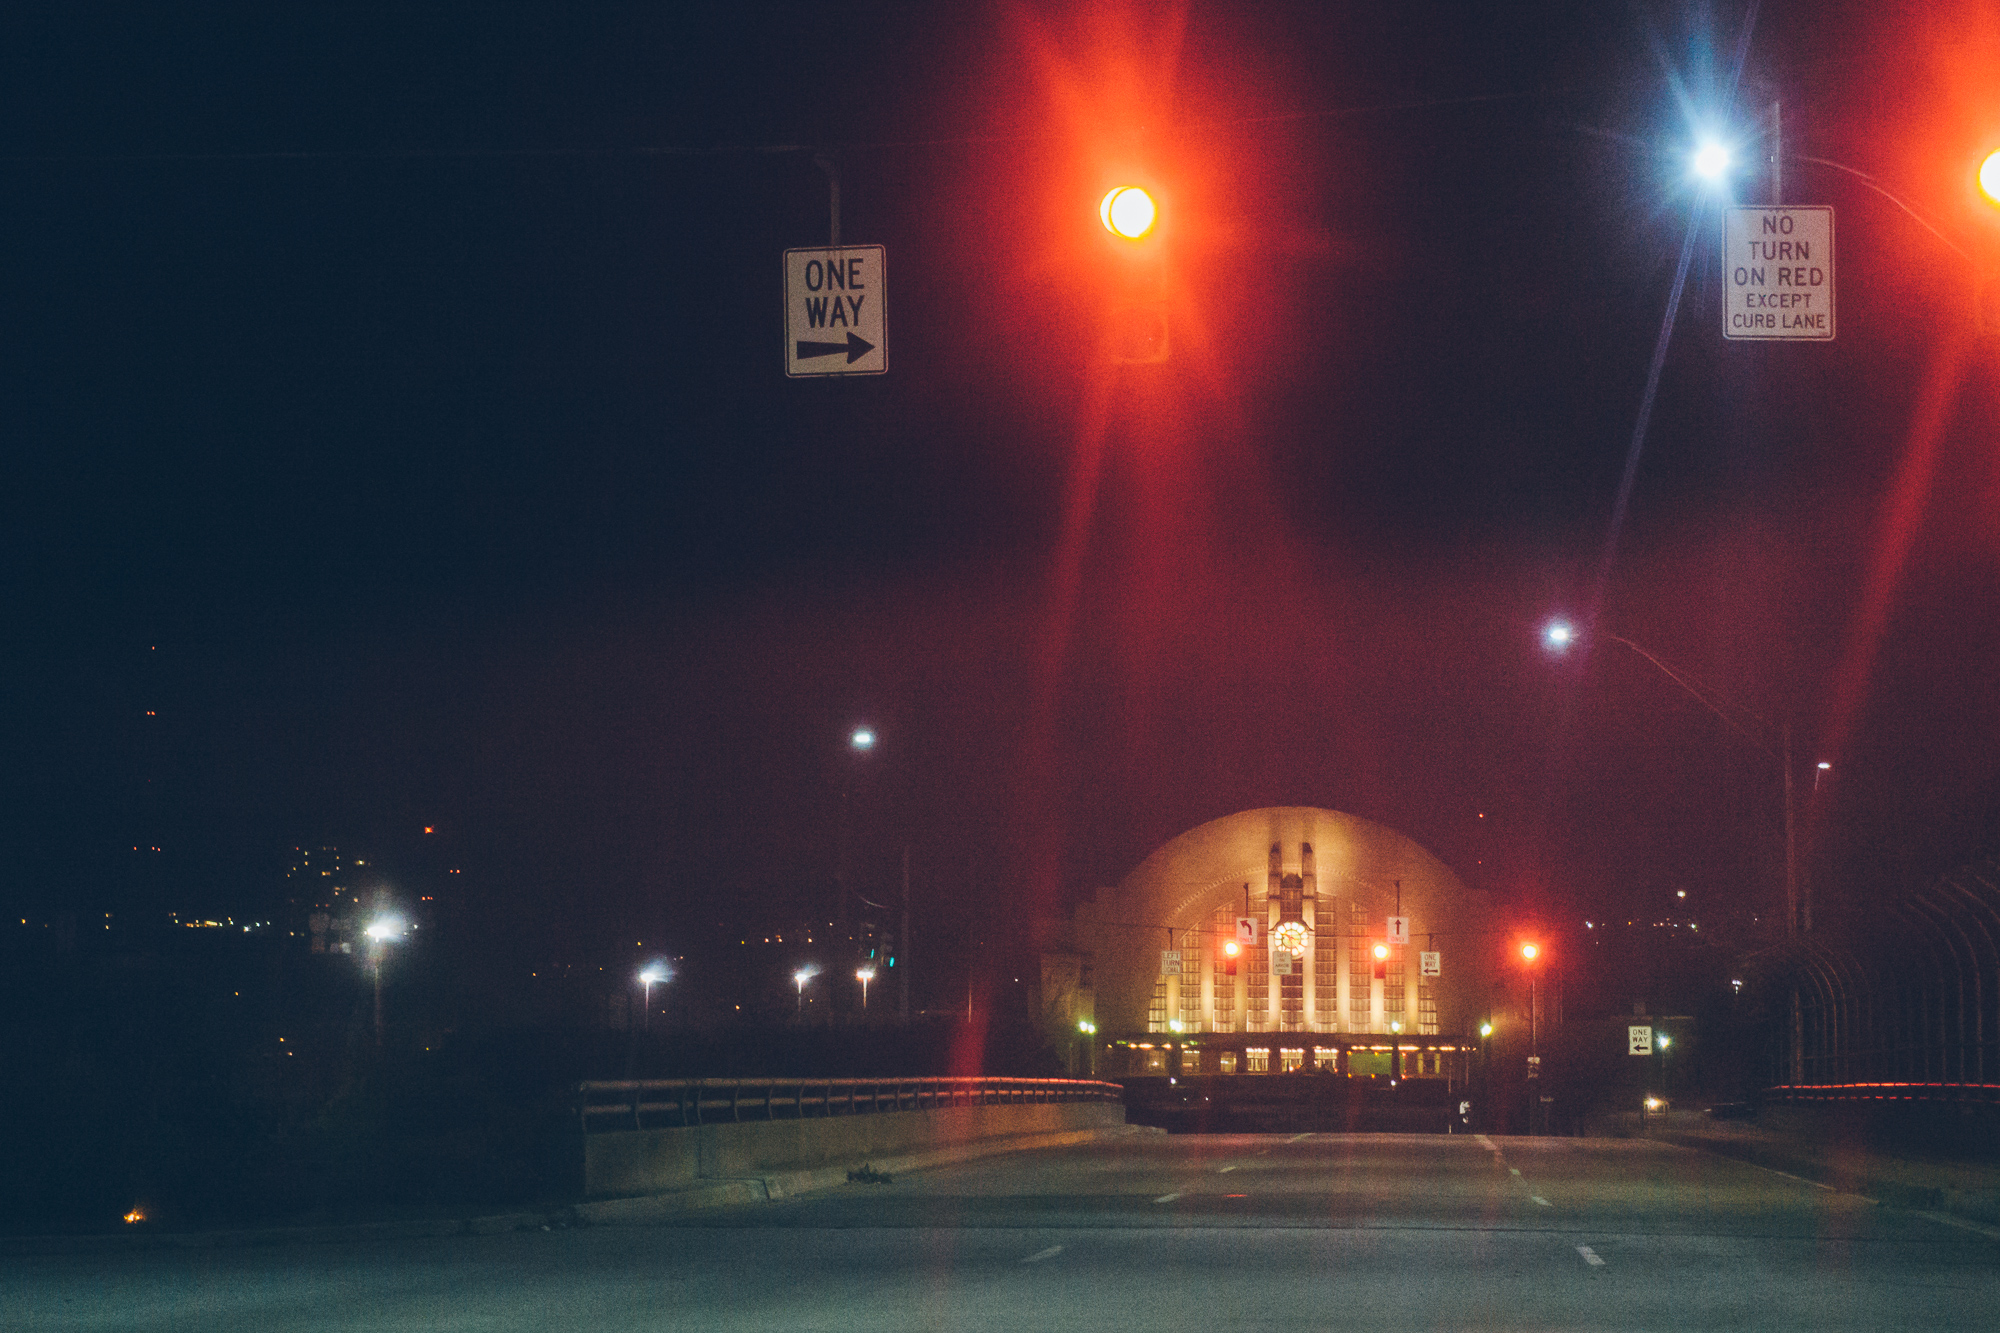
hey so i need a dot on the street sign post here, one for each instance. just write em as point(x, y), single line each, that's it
point(1640, 1039)
point(836, 311)
point(1427, 963)
point(1777, 274)
point(1399, 930)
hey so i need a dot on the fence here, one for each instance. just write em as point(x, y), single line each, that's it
point(668, 1103)
point(1911, 1014)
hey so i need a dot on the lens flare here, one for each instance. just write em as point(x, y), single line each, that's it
point(1711, 160)
point(1989, 177)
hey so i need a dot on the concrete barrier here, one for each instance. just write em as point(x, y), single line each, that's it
point(634, 1162)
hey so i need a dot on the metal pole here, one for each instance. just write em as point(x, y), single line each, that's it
point(832, 171)
point(903, 946)
point(1777, 156)
point(1792, 907)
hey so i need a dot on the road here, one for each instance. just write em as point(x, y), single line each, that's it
point(1220, 1232)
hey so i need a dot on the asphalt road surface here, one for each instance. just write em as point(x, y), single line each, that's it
point(1221, 1232)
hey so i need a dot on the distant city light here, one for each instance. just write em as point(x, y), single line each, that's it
point(862, 739)
point(1485, 1029)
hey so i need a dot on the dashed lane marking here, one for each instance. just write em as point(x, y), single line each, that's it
point(1040, 1255)
point(1540, 1200)
point(1296, 1137)
point(1221, 1169)
point(1485, 1143)
point(1168, 1198)
point(1513, 1170)
point(1590, 1256)
point(1959, 1222)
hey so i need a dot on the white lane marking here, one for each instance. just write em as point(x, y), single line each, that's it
point(1040, 1255)
point(1485, 1143)
point(1221, 1169)
point(1959, 1222)
point(1296, 1137)
point(1540, 1200)
point(1513, 1170)
point(1590, 1256)
point(1168, 1198)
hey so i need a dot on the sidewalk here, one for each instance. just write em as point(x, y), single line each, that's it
point(1830, 1146)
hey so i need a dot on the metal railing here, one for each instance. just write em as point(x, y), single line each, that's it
point(1987, 1094)
point(666, 1103)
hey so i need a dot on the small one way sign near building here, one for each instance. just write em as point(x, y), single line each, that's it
point(836, 311)
point(1777, 273)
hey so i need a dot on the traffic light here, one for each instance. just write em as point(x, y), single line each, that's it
point(1381, 962)
point(1128, 212)
point(1230, 949)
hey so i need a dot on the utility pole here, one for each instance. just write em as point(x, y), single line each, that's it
point(903, 947)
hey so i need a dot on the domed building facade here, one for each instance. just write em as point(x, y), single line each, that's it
point(1291, 938)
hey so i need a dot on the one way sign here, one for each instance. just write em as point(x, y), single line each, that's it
point(836, 311)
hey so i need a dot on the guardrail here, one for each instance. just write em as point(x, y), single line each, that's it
point(667, 1103)
point(1987, 1094)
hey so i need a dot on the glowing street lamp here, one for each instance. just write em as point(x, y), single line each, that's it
point(863, 739)
point(799, 979)
point(864, 976)
point(381, 932)
point(1710, 161)
point(654, 974)
point(1989, 178)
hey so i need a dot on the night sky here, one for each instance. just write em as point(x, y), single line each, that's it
point(396, 436)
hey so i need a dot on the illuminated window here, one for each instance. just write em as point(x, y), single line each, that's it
point(1227, 1063)
point(1257, 1060)
point(1291, 1058)
point(1190, 1062)
point(1325, 1057)
point(1156, 1012)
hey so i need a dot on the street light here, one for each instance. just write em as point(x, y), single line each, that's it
point(799, 979)
point(1989, 178)
point(864, 976)
point(651, 977)
point(380, 932)
point(1710, 161)
point(863, 739)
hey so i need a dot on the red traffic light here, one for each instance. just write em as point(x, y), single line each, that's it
point(1128, 212)
point(1231, 948)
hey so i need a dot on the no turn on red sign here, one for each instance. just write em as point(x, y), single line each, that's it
point(1777, 273)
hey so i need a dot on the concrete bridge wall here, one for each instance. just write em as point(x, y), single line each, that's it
point(625, 1163)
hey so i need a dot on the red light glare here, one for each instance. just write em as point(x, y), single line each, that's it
point(1232, 948)
point(1381, 951)
point(1531, 952)
point(1128, 211)
point(1989, 178)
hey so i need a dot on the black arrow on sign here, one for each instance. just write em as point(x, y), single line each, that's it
point(856, 347)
